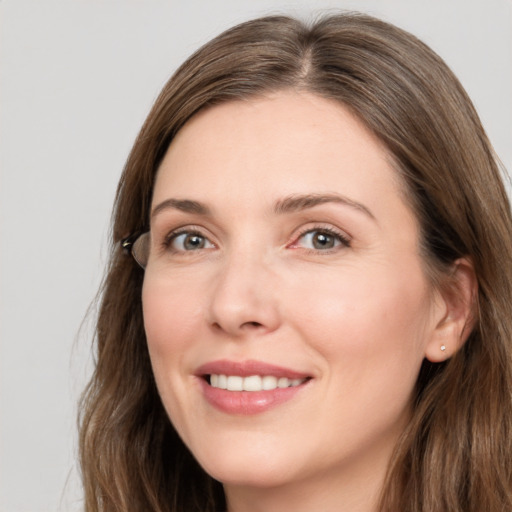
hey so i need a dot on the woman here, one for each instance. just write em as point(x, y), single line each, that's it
point(321, 320)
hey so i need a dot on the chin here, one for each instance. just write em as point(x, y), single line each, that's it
point(247, 468)
point(262, 477)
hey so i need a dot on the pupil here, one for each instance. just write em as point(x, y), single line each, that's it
point(323, 241)
point(194, 242)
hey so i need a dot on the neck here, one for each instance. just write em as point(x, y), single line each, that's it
point(351, 489)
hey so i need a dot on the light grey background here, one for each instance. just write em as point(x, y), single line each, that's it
point(76, 81)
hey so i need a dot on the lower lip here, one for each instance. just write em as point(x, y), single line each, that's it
point(248, 402)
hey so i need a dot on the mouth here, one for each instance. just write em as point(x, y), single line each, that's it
point(249, 387)
point(252, 383)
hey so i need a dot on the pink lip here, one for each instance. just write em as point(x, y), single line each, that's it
point(247, 402)
point(247, 368)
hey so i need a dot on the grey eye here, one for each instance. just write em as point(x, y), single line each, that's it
point(319, 240)
point(190, 242)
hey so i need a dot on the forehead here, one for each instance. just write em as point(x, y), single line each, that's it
point(282, 144)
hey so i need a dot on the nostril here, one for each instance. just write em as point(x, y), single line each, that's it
point(253, 324)
point(238, 329)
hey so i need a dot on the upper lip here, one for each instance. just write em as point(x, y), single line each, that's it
point(248, 368)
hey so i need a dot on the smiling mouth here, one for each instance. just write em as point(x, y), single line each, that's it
point(252, 383)
point(249, 387)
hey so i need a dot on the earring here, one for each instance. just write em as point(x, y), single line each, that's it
point(443, 348)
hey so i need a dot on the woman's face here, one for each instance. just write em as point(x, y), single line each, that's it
point(285, 262)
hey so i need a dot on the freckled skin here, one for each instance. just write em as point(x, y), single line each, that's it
point(357, 319)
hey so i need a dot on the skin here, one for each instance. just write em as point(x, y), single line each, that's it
point(357, 318)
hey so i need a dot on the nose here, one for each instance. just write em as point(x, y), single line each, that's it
point(244, 297)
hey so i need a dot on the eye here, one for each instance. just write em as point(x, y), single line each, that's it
point(188, 241)
point(322, 240)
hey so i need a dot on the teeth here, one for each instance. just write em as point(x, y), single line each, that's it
point(283, 382)
point(252, 383)
point(235, 383)
point(269, 382)
point(222, 382)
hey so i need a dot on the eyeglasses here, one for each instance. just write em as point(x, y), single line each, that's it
point(137, 245)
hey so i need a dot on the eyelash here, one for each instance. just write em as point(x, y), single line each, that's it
point(337, 235)
point(192, 231)
point(173, 235)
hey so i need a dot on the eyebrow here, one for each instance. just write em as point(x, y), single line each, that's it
point(296, 203)
point(184, 205)
point(293, 203)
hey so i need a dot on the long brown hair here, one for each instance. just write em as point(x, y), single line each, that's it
point(456, 453)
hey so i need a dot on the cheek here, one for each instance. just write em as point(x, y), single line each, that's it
point(169, 314)
point(170, 323)
point(171, 319)
point(366, 323)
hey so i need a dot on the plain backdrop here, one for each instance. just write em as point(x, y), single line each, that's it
point(76, 81)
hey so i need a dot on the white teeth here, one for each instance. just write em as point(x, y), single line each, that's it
point(252, 383)
point(283, 382)
point(235, 383)
point(222, 382)
point(269, 382)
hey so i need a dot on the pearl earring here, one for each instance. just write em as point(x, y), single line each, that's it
point(443, 348)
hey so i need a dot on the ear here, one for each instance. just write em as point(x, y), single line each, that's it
point(454, 312)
